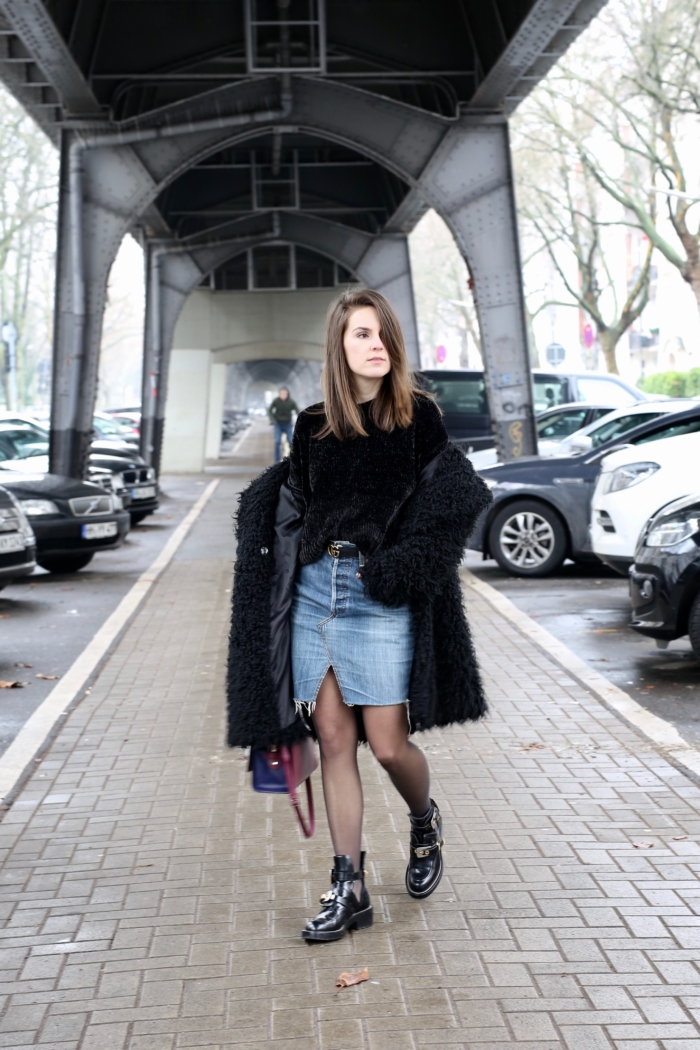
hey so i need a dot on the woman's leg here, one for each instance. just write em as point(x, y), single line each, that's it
point(387, 733)
point(337, 736)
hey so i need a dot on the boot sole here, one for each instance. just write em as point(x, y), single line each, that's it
point(431, 889)
point(360, 921)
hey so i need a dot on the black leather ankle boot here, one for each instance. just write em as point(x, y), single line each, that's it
point(425, 865)
point(341, 910)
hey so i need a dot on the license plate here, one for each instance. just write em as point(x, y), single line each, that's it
point(99, 530)
point(147, 492)
point(12, 542)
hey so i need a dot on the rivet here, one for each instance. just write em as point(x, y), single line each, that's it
point(264, 550)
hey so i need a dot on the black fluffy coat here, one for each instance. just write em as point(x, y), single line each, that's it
point(420, 568)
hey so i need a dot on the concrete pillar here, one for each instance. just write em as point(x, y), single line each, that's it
point(469, 182)
point(215, 409)
point(186, 420)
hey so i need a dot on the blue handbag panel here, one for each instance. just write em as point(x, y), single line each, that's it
point(266, 779)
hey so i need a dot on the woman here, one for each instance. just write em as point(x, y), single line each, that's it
point(347, 614)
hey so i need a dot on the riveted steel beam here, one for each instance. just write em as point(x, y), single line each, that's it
point(544, 35)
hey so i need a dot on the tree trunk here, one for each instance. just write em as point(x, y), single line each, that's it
point(609, 338)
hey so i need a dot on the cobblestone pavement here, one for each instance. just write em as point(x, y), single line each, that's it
point(152, 901)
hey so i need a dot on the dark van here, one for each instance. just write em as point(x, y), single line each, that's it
point(462, 398)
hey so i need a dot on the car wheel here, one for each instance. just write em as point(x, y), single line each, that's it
point(528, 539)
point(694, 627)
point(137, 518)
point(65, 562)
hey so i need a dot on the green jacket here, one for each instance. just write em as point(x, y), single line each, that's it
point(280, 411)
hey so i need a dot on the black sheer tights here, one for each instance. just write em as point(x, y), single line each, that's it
point(387, 734)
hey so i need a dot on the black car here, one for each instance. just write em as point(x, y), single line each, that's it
point(541, 509)
point(665, 576)
point(17, 541)
point(70, 519)
point(464, 403)
point(119, 470)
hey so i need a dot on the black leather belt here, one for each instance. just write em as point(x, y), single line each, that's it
point(343, 549)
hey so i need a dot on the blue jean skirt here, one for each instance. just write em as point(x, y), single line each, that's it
point(334, 624)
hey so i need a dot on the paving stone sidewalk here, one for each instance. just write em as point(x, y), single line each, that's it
point(152, 901)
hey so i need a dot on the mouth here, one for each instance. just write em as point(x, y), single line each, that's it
point(376, 360)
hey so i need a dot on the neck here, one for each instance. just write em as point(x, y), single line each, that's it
point(365, 389)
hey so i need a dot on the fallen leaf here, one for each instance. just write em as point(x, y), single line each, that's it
point(4, 616)
point(20, 663)
point(643, 845)
point(48, 677)
point(679, 838)
point(532, 747)
point(347, 979)
point(12, 685)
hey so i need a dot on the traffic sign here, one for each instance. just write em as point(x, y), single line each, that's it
point(588, 336)
point(555, 354)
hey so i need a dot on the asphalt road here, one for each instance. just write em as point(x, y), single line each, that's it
point(587, 608)
point(47, 619)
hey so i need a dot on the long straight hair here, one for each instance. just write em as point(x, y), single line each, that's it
point(393, 406)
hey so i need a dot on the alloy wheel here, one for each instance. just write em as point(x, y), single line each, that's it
point(527, 539)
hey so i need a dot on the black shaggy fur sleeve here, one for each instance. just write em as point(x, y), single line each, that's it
point(434, 529)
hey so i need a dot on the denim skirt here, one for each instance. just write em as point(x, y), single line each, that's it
point(334, 624)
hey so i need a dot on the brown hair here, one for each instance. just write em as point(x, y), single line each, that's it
point(393, 405)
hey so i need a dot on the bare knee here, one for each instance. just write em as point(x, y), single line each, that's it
point(335, 739)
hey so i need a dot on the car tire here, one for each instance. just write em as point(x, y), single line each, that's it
point(137, 518)
point(528, 538)
point(694, 627)
point(65, 562)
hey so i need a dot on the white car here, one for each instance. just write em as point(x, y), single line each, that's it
point(612, 425)
point(634, 484)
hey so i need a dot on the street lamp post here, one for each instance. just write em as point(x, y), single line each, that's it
point(9, 338)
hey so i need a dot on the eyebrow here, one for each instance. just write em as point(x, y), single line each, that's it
point(361, 328)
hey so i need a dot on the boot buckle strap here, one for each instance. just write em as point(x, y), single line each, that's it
point(425, 851)
point(327, 898)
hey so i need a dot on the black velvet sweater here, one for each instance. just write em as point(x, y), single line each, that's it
point(354, 489)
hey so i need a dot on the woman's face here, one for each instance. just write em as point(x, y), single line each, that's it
point(365, 352)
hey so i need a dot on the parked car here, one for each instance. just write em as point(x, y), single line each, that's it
point(17, 540)
point(70, 519)
point(634, 484)
point(111, 428)
point(463, 400)
point(665, 576)
point(554, 426)
point(120, 470)
point(598, 431)
point(106, 433)
point(541, 509)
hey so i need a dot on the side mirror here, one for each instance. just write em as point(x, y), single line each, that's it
point(584, 443)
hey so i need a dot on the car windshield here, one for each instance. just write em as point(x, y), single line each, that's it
point(550, 391)
point(560, 425)
point(106, 426)
point(24, 443)
point(691, 426)
point(615, 427)
point(464, 396)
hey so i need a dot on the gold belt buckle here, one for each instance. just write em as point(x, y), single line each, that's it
point(334, 550)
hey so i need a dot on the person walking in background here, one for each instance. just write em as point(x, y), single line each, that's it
point(347, 618)
point(280, 413)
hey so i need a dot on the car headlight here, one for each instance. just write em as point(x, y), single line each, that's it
point(37, 508)
point(117, 482)
point(151, 474)
point(9, 520)
point(626, 477)
point(669, 533)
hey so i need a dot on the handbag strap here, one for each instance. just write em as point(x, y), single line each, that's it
point(308, 827)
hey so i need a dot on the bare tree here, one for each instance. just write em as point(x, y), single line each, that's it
point(564, 210)
point(640, 99)
point(28, 191)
